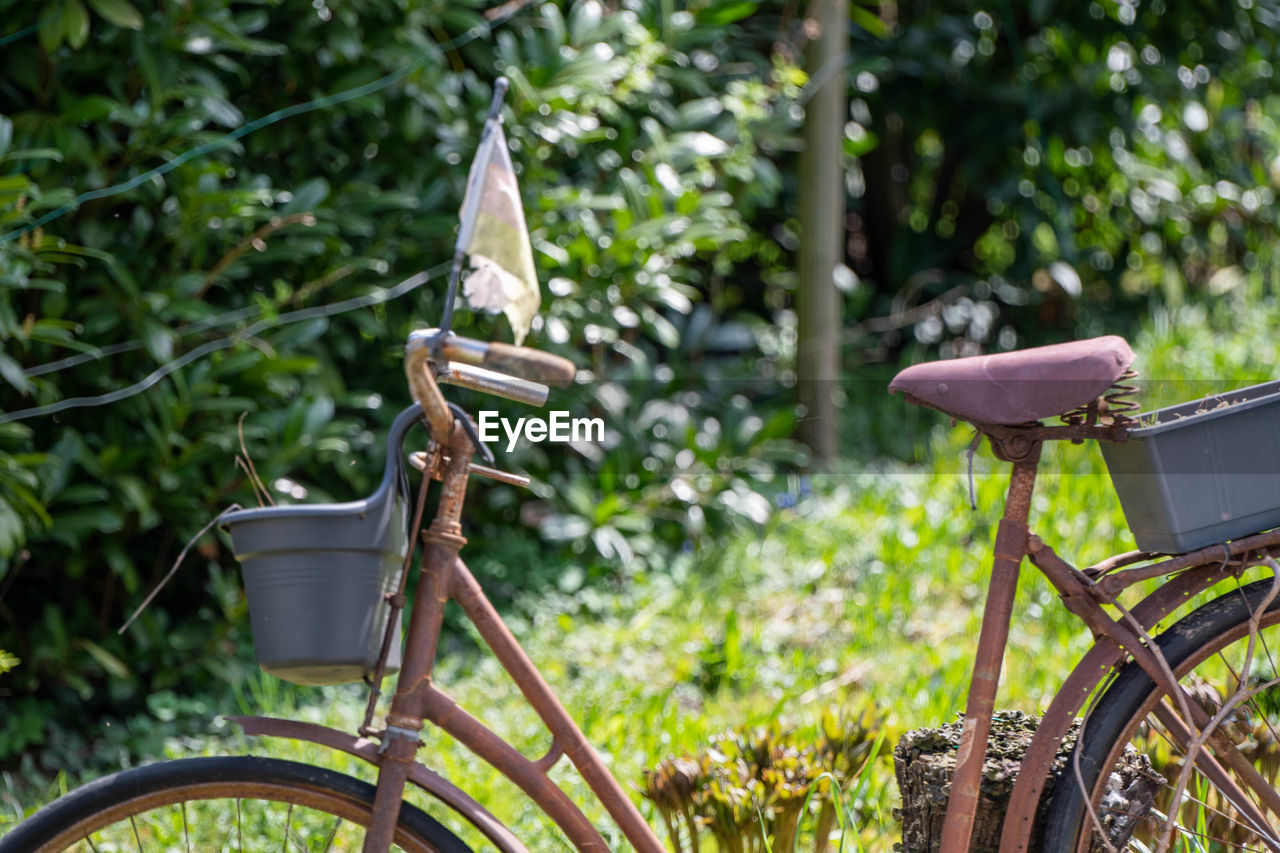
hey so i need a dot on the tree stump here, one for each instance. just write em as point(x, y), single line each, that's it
point(925, 759)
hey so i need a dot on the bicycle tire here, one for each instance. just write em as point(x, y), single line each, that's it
point(172, 799)
point(1208, 640)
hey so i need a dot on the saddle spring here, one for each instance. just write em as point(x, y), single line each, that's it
point(1112, 408)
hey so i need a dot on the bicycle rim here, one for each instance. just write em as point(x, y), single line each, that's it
point(237, 803)
point(1221, 660)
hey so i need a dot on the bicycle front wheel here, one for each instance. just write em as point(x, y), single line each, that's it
point(1226, 655)
point(238, 803)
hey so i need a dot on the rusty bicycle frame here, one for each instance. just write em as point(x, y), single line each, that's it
point(435, 357)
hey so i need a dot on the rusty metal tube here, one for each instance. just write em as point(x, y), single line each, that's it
point(1010, 547)
point(525, 774)
point(425, 391)
point(400, 739)
point(468, 594)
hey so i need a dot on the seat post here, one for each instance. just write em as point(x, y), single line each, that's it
point(1010, 547)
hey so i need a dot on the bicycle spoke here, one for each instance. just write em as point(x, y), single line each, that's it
point(328, 844)
point(1251, 702)
point(235, 803)
point(1215, 772)
point(1217, 811)
point(288, 819)
point(1235, 845)
point(1245, 825)
point(135, 833)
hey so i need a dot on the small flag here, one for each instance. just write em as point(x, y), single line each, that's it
point(494, 234)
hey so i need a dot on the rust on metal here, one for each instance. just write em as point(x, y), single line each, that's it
point(1093, 668)
point(469, 595)
point(422, 641)
point(1221, 553)
point(1086, 600)
point(426, 392)
point(554, 754)
point(1117, 561)
point(425, 778)
point(491, 382)
point(1011, 539)
point(1217, 774)
point(1113, 407)
point(396, 603)
point(501, 476)
point(525, 774)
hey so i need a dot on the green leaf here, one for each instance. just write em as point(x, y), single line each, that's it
point(721, 14)
point(51, 27)
point(13, 186)
point(118, 12)
point(112, 664)
point(6, 133)
point(14, 375)
point(35, 154)
point(308, 196)
point(75, 23)
point(158, 341)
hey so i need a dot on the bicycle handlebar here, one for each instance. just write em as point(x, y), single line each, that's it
point(456, 360)
point(489, 382)
point(523, 362)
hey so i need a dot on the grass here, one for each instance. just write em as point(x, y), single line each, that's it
point(868, 591)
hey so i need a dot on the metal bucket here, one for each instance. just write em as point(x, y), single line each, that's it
point(317, 576)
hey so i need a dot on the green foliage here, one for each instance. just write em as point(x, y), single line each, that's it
point(1047, 166)
point(641, 139)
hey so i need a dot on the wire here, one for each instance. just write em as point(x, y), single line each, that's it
point(129, 346)
point(257, 124)
point(386, 295)
point(20, 34)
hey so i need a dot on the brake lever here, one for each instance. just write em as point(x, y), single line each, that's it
point(470, 429)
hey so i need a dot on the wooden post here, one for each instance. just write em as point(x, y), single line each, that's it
point(822, 212)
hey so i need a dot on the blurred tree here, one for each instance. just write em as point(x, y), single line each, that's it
point(1031, 170)
point(822, 211)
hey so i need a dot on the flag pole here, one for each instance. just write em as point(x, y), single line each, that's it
point(471, 204)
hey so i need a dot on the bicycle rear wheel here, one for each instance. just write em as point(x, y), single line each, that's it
point(238, 803)
point(1220, 660)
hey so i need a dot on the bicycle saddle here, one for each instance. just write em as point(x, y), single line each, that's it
point(1017, 387)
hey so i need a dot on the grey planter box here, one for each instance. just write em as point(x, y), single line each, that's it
point(1201, 472)
point(316, 576)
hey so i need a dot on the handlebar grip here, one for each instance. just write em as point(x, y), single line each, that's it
point(531, 364)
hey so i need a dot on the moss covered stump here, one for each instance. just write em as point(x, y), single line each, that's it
point(925, 759)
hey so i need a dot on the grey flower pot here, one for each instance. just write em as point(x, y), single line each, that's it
point(317, 576)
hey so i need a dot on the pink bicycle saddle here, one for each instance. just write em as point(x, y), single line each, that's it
point(1017, 387)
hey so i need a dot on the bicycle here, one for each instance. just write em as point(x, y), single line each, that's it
point(1194, 688)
